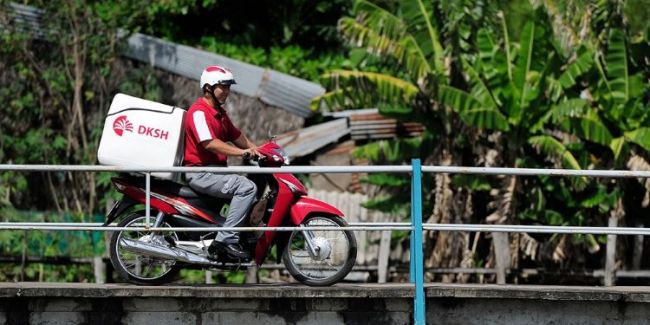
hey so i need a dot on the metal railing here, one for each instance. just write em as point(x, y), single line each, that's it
point(416, 226)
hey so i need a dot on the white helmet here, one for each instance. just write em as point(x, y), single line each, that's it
point(215, 74)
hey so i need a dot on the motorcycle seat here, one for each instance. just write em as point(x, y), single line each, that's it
point(187, 192)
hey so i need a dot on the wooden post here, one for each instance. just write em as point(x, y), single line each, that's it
point(501, 255)
point(208, 277)
point(610, 255)
point(99, 269)
point(384, 254)
point(251, 274)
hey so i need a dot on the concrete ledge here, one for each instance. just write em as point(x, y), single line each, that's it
point(71, 303)
point(86, 290)
point(560, 293)
point(393, 290)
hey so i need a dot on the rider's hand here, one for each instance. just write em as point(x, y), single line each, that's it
point(249, 153)
point(254, 151)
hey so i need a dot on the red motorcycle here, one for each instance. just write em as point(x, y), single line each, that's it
point(315, 258)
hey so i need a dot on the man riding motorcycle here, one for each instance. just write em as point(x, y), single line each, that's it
point(208, 129)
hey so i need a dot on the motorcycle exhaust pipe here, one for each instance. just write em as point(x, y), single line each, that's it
point(163, 252)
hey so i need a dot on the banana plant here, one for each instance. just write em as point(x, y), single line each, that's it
point(407, 64)
point(411, 55)
point(411, 60)
point(506, 79)
point(619, 97)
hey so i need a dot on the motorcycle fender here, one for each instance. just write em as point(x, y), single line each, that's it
point(305, 206)
point(117, 210)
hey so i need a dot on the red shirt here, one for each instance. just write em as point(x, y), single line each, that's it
point(204, 123)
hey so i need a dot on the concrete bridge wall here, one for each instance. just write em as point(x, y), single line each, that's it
point(348, 304)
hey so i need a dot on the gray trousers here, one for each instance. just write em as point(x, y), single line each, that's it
point(238, 188)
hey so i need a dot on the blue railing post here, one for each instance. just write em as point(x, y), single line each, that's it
point(417, 258)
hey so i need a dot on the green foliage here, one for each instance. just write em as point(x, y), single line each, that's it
point(471, 182)
point(550, 100)
point(78, 244)
point(472, 110)
point(393, 151)
point(293, 60)
point(307, 24)
point(369, 89)
point(141, 82)
point(580, 66)
point(395, 205)
point(390, 180)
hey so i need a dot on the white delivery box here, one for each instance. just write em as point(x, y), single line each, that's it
point(142, 133)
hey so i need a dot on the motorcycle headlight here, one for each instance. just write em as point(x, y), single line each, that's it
point(284, 155)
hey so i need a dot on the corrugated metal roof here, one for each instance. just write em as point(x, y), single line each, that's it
point(366, 124)
point(271, 87)
point(305, 141)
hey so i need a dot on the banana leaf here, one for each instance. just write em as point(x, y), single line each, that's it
point(591, 128)
point(419, 16)
point(640, 136)
point(552, 147)
point(580, 66)
point(617, 66)
point(404, 49)
point(521, 74)
point(471, 110)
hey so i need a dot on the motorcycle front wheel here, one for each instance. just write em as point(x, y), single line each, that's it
point(134, 267)
point(335, 252)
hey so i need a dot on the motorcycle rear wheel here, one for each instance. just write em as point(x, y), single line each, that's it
point(135, 268)
point(337, 252)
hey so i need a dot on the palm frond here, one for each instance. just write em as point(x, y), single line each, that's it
point(554, 148)
point(591, 128)
point(640, 136)
point(486, 118)
point(391, 151)
point(577, 68)
point(471, 110)
point(617, 69)
point(365, 89)
point(404, 49)
point(504, 28)
point(380, 20)
point(521, 72)
point(560, 112)
point(571, 108)
point(334, 100)
point(617, 145)
point(481, 90)
point(485, 45)
point(419, 17)
point(391, 180)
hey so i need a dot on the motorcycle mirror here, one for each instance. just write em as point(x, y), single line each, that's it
point(271, 137)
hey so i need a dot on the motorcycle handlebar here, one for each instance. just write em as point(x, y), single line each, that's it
point(249, 156)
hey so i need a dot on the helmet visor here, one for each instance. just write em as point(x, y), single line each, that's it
point(227, 82)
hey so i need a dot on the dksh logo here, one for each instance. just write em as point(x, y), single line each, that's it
point(121, 124)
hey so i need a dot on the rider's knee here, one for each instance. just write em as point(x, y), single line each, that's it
point(248, 187)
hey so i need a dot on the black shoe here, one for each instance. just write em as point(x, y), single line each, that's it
point(231, 249)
